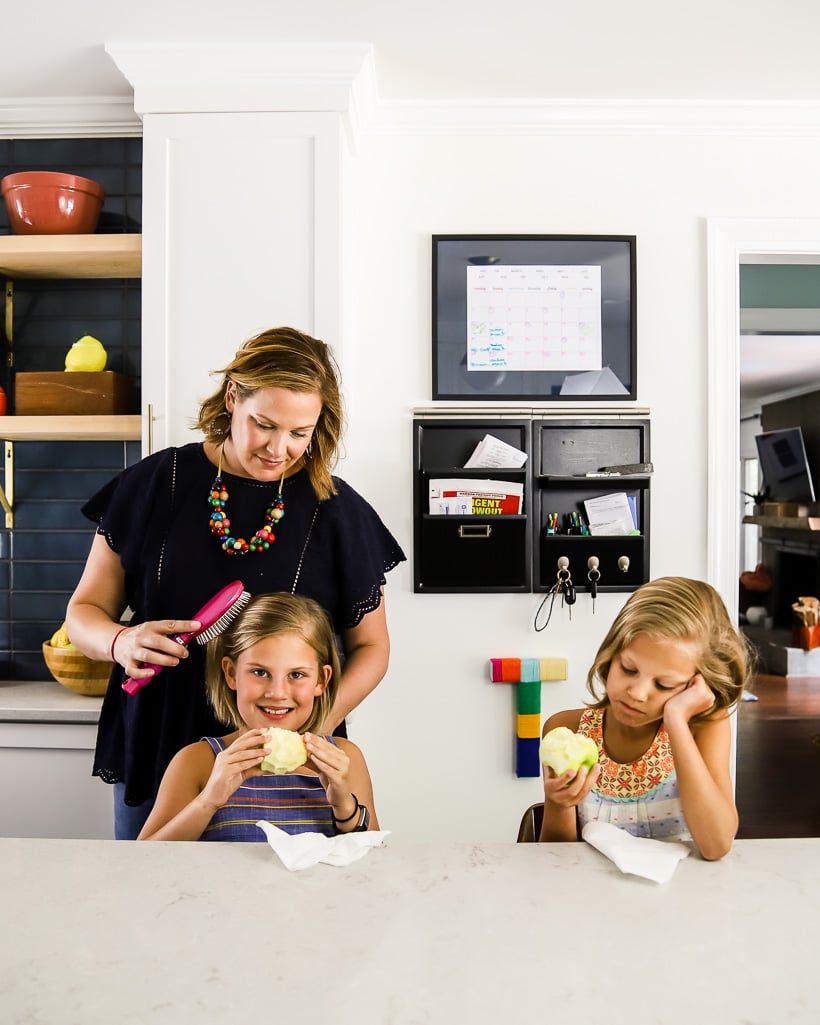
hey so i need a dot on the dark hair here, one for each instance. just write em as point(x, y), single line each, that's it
point(681, 609)
point(283, 357)
point(268, 615)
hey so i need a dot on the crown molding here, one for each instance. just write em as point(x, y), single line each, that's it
point(183, 78)
point(598, 117)
point(68, 117)
point(247, 76)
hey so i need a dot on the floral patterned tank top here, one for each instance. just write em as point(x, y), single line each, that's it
point(641, 797)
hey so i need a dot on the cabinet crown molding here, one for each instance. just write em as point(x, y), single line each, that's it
point(228, 77)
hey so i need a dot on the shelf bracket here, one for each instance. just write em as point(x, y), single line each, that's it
point(9, 304)
point(7, 493)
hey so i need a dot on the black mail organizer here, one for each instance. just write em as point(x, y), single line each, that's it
point(510, 553)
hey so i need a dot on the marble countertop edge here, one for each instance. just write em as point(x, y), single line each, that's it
point(45, 701)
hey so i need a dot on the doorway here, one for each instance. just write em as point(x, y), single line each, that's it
point(774, 720)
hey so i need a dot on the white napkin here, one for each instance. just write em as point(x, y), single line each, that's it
point(652, 859)
point(306, 849)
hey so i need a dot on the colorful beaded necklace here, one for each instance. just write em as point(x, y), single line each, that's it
point(220, 524)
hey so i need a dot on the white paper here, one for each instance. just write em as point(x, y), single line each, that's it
point(491, 451)
point(305, 849)
point(610, 514)
point(533, 317)
point(636, 855)
point(594, 382)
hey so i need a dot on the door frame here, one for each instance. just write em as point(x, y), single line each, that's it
point(729, 239)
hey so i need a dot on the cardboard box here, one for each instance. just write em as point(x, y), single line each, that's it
point(72, 393)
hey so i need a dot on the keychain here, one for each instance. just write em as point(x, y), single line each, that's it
point(565, 584)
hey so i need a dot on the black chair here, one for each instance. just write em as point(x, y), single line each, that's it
point(530, 828)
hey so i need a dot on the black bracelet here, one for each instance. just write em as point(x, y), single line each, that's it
point(351, 815)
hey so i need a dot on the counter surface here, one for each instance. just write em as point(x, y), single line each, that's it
point(104, 931)
point(45, 701)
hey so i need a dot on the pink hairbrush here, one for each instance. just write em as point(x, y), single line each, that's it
point(214, 617)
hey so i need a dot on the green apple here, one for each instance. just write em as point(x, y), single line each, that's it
point(287, 753)
point(561, 749)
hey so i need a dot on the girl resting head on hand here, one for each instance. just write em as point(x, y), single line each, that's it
point(665, 678)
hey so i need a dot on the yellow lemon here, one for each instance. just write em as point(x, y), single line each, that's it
point(86, 354)
point(59, 639)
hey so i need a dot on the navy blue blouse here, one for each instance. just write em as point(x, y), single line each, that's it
point(155, 516)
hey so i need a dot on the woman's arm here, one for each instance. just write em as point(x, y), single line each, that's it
point(367, 652)
point(701, 752)
point(94, 610)
point(196, 785)
point(562, 794)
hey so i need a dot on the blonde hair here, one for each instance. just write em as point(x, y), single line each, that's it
point(268, 615)
point(677, 608)
point(283, 357)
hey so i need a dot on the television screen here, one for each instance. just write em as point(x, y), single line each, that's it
point(784, 466)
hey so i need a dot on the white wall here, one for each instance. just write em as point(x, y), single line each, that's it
point(438, 736)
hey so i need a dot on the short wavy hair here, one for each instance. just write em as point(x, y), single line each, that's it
point(678, 608)
point(283, 357)
point(268, 615)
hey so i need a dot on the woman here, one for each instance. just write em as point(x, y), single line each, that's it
point(256, 502)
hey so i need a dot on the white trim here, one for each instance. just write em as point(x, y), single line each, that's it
point(175, 78)
point(729, 242)
point(598, 117)
point(68, 117)
point(188, 77)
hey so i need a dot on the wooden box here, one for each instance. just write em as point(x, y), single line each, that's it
point(71, 393)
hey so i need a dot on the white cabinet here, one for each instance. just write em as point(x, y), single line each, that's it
point(46, 786)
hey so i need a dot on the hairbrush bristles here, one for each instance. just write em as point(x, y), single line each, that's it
point(225, 620)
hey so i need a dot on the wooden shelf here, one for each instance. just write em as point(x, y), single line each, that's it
point(71, 428)
point(71, 256)
point(785, 522)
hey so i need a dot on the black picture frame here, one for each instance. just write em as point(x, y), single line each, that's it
point(610, 260)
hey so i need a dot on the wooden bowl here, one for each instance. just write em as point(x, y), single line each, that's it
point(51, 203)
point(76, 671)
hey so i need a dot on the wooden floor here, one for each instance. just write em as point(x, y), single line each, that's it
point(778, 758)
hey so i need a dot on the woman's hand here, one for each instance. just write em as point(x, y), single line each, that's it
point(333, 766)
point(572, 787)
point(151, 643)
point(238, 762)
point(696, 697)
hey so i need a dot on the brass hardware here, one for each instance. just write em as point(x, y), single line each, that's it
point(9, 323)
point(474, 530)
point(7, 494)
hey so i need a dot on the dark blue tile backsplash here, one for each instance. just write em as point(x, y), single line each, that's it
point(42, 557)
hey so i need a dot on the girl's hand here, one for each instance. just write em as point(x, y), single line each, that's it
point(696, 697)
point(333, 767)
point(238, 762)
point(152, 643)
point(572, 787)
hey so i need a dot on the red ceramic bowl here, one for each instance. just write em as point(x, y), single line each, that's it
point(51, 203)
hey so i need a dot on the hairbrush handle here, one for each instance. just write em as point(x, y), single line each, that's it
point(207, 616)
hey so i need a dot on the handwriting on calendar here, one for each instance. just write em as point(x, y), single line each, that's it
point(523, 317)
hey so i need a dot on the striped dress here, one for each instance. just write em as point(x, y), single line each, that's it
point(295, 802)
point(641, 797)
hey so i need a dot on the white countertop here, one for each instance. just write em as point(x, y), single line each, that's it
point(45, 701)
point(98, 932)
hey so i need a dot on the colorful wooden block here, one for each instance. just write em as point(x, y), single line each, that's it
point(527, 762)
point(528, 674)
